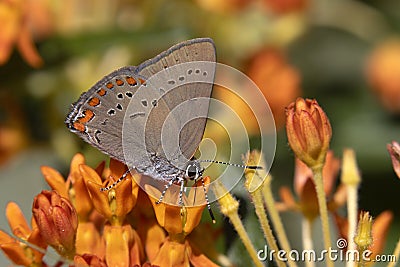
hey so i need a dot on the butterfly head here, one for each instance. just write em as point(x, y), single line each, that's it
point(193, 170)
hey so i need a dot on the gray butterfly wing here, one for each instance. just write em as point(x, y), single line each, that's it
point(97, 116)
point(183, 80)
point(100, 116)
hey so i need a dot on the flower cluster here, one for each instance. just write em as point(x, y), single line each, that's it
point(125, 227)
point(89, 227)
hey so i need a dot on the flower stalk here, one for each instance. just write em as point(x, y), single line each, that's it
point(229, 207)
point(309, 133)
point(323, 209)
point(351, 179)
point(258, 184)
point(306, 227)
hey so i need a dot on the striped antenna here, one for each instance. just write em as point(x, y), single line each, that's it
point(233, 164)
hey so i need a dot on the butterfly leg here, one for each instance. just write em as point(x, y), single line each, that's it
point(207, 201)
point(181, 192)
point(165, 190)
point(116, 182)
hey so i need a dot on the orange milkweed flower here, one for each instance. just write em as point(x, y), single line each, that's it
point(16, 251)
point(379, 230)
point(179, 222)
point(117, 202)
point(122, 246)
point(277, 79)
point(383, 73)
point(145, 223)
point(57, 221)
point(309, 131)
point(16, 18)
point(87, 236)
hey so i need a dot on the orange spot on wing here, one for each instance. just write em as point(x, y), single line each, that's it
point(87, 116)
point(109, 85)
point(131, 81)
point(101, 92)
point(119, 82)
point(94, 101)
point(142, 81)
point(79, 126)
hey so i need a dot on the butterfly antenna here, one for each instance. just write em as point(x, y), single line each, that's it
point(116, 182)
point(233, 164)
point(207, 201)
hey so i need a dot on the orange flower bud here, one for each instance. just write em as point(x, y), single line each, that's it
point(309, 131)
point(394, 151)
point(57, 221)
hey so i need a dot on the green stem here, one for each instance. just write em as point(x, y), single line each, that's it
point(352, 208)
point(262, 217)
point(323, 210)
point(276, 219)
point(238, 225)
point(307, 239)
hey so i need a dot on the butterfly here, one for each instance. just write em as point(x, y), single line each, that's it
point(152, 116)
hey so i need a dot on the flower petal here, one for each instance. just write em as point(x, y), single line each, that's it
point(89, 174)
point(65, 228)
point(154, 238)
point(287, 198)
point(16, 254)
point(380, 229)
point(117, 246)
point(100, 199)
point(198, 259)
point(55, 180)
point(77, 160)
point(88, 239)
point(16, 220)
point(172, 254)
point(124, 197)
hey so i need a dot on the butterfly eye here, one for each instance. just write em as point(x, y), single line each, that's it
point(192, 171)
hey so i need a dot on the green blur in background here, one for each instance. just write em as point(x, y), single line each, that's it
point(343, 53)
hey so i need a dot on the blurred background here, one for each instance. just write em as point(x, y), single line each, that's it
point(345, 54)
